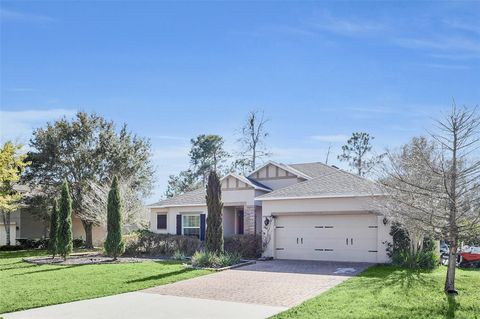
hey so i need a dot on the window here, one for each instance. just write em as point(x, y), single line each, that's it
point(161, 221)
point(191, 225)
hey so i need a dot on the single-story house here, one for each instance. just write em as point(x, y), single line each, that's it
point(308, 211)
point(26, 225)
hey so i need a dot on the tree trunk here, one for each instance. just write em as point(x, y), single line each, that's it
point(88, 227)
point(453, 229)
point(254, 158)
point(452, 265)
point(6, 224)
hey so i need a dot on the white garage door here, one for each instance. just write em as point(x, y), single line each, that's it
point(326, 237)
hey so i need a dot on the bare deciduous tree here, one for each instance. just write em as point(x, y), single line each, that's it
point(96, 202)
point(436, 184)
point(253, 135)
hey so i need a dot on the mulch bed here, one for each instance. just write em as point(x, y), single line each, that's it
point(85, 259)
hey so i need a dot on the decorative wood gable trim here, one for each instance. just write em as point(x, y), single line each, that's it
point(233, 183)
point(273, 171)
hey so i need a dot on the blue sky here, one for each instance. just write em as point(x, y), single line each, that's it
point(173, 70)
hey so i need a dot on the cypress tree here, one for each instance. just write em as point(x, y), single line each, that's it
point(114, 245)
point(52, 240)
point(64, 236)
point(214, 231)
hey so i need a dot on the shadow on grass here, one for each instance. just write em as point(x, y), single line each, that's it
point(452, 307)
point(161, 276)
point(407, 278)
point(60, 267)
point(22, 253)
point(18, 265)
point(379, 277)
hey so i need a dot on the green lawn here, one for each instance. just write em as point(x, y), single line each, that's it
point(25, 285)
point(388, 292)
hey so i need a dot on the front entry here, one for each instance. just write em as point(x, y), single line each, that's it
point(326, 237)
point(240, 222)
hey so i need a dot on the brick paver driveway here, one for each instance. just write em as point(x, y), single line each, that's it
point(283, 283)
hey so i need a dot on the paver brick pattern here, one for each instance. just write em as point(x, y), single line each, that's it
point(284, 283)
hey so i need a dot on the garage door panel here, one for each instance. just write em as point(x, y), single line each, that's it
point(326, 237)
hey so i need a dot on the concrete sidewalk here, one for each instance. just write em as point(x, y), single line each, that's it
point(147, 306)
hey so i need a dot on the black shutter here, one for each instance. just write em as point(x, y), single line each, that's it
point(179, 224)
point(202, 226)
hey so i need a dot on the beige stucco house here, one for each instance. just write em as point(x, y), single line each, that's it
point(308, 211)
point(25, 225)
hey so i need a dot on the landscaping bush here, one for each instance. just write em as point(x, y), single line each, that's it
point(160, 245)
point(247, 246)
point(11, 248)
point(401, 255)
point(211, 260)
point(78, 243)
point(178, 255)
point(33, 243)
point(422, 259)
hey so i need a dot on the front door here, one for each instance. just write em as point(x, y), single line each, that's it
point(240, 222)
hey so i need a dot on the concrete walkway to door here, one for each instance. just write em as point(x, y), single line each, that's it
point(280, 283)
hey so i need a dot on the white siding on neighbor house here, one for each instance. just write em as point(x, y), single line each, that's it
point(300, 209)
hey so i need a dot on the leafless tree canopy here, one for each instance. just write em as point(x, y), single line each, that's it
point(253, 134)
point(96, 201)
point(435, 183)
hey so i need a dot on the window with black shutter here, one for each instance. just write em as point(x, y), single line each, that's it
point(161, 221)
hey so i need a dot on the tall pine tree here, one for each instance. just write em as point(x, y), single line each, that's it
point(53, 238)
point(214, 232)
point(64, 237)
point(114, 244)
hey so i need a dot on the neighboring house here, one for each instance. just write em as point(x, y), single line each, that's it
point(308, 211)
point(25, 225)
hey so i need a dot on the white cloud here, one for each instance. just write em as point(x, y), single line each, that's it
point(473, 27)
point(445, 66)
point(20, 90)
point(345, 26)
point(331, 138)
point(19, 125)
point(11, 15)
point(443, 44)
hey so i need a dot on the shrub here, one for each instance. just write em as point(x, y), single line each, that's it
point(402, 256)
point(33, 243)
point(212, 260)
point(422, 259)
point(178, 255)
point(114, 244)
point(64, 235)
point(78, 243)
point(160, 245)
point(52, 240)
point(214, 232)
point(247, 246)
point(11, 248)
